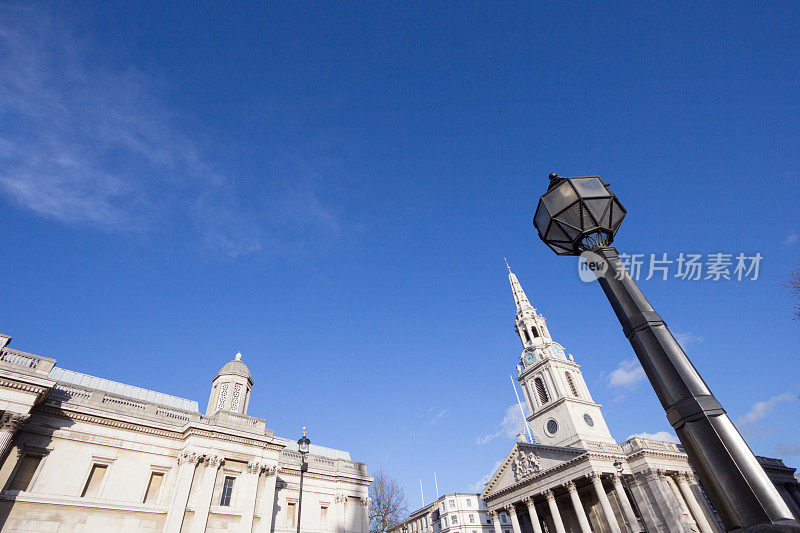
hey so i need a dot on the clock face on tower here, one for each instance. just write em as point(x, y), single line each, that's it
point(557, 351)
point(528, 357)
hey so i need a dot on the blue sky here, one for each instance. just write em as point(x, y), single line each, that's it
point(331, 189)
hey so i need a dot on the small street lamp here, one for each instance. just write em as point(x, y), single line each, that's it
point(580, 215)
point(641, 524)
point(302, 447)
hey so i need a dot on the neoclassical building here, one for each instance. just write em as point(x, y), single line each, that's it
point(459, 512)
point(82, 453)
point(576, 477)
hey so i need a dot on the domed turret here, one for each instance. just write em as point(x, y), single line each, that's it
point(230, 390)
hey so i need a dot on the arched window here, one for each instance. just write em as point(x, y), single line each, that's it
point(571, 384)
point(535, 333)
point(541, 390)
point(527, 337)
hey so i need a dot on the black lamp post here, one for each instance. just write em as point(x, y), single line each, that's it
point(642, 525)
point(302, 447)
point(581, 214)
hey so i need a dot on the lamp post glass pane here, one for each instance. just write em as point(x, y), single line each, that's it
point(559, 198)
point(589, 187)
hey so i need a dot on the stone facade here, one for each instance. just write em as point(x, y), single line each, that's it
point(81, 453)
point(576, 478)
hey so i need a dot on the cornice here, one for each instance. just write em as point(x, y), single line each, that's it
point(552, 405)
point(10, 383)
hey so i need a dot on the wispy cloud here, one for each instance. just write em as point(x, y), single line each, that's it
point(761, 409)
point(782, 450)
point(511, 425)
point(438, 416)
point(627, 374)
point(659, 435)
point(792, 238)
point(478, 485)
point(687, 338)
point(88, 142)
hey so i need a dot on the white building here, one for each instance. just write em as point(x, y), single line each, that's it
point(82, 453)
point(576, 477)
point(459, 512)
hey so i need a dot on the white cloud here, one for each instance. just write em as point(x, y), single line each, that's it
point(792, 238)
point(760, 410)
point(687, 338)
point(478, 485)
point(627, 374)
point(511, 425)
point(96, 144)
point(659, 435)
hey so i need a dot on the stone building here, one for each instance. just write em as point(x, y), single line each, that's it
point(82, 453)
point(460, 512)
point(576, 477)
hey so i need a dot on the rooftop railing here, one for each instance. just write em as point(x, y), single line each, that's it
point(25, 362)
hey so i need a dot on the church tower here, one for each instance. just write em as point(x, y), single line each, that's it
point(563, 412)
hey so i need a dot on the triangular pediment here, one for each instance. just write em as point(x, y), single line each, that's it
point(526, 461)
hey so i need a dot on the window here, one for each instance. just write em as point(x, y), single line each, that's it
point(96, 475)
point(535, 333)
point(290, 514)
point(227, 491)
point(527, 337)
point(502, 518)
point(471, 518)
point(25, 471)
point(153, 487)
point(488, 519)
point(223, 394)
point(552, 426)
point(452, 504)
point(454, 519)
point(571, 384)
point(444, 521)
point(469, 502)
point(323, 517)
point(235, 398)
point(541, 390)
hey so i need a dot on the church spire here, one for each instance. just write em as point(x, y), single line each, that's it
point(520, 299)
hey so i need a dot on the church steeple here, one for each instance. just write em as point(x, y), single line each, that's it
point(562, 410)
point(530, 326)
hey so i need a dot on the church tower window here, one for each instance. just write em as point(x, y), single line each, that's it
point(223, 395)
point(571, 384)
point(541, 390)
point(527, 337)
point(535, 332)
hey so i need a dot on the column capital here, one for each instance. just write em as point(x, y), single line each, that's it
point(570, 486)
point(254, 467)
point(595, 477)
point(188, 457)
point(365, 501)
point(214, 460)
point(270, 470)
point(11, 421)
point(341, 498)
point(548, 494)
point(529, 501)
point(617, 477)
point(509, 508)
point(493, 513)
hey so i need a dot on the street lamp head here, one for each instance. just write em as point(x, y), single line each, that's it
point(303, 442)
point(577, 214)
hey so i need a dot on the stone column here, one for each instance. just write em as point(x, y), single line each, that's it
point(633, 522)
point(682, 480)
point(205, 493)
point(496, 521)
point(187, 461)
point(512, 513)
point(268, 500)
point(249, 489)
point(341, 509)
point(551, 502)
point(365, 516)
point(537, 526)
point(604, 503)
point(794, 491)
point(10, 422)
point(578, 506)
point(649, 514)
